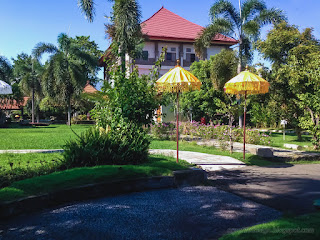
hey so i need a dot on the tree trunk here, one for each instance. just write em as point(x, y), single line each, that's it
point(69, 112)
point(32, 106)
point(123, 63)
point(38, 116)
point(299, 133)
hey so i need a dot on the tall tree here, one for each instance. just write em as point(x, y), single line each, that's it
point(124, 29)
point(27, 72)
point(278, 47)
point(67, 70)
point(243, 24)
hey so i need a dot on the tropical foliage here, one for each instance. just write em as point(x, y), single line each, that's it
point(282, 46)
point(5, 69)
point(28, 71)
point(124, 28)
point(67, 71)
point(243, 24)
point(213, 74)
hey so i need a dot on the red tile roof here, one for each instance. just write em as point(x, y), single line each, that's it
point(10, 104)
point(166, 25)
point(89, 88)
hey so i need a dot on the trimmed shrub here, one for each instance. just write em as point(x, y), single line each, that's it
point(126, 144)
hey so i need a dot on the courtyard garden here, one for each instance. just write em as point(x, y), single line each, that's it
point(225, 99)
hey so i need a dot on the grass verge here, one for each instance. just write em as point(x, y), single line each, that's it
point(156, 166)
point(287, 228)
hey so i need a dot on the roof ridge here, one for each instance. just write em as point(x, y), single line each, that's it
point(163, 8)
point(153, 14)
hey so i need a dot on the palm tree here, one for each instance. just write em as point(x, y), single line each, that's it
point(5, 69)
point(28, 71)
point(66, 70)
point(124, 30)
point(244, 25)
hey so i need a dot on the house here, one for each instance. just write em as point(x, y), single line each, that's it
point(167, 29)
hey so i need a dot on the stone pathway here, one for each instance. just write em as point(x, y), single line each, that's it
point(279, 153)
point(31, 151)
point(207, 162)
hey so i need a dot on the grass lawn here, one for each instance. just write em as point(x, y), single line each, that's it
point(156, 166)
point(304, 227)
point(187, 146)
point(46, 137)
point(291, 138)
point(27, 160)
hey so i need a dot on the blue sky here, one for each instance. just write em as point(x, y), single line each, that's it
point(24, 23)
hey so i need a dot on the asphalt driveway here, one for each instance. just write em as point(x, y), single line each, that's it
point(201, 212)
point(288, 188)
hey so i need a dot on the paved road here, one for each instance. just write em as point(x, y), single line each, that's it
point(184, 213)
point(288, 188)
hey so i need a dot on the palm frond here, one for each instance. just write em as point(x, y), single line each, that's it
point(251, 29)
point(252, 7)
point(247, 51)
point(272, 15)
point(87, 8)
point(42, 48)
point(88, 59)
point(227, 10)
point(64, 42)
point(220, 25)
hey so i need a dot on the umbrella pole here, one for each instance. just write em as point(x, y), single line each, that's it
point(244, 125)
point(177, 127)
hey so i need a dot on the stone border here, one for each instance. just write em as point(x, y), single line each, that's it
point(192, 176)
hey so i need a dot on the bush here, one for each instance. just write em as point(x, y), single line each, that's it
point(163, 131)
point(210, 131)
point(127, 144)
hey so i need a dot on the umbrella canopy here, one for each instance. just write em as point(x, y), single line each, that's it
point(5, 88)
point(178, 80)
point(246, 83)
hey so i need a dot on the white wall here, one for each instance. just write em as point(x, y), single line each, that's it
point(169, 45)
point(149, 46)
point(213, 50)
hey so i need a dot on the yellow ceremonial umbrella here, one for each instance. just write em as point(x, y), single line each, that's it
point(246, 83)
point(178, 80)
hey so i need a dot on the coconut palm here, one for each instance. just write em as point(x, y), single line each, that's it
point(124, 30)
point(66, 70)
point(27, 72)
point(243, 24)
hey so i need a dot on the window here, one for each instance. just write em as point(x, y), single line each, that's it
point(173, 49)
point(188, 50)
point(145, 55)
point(171, 57)
point(192, 57)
